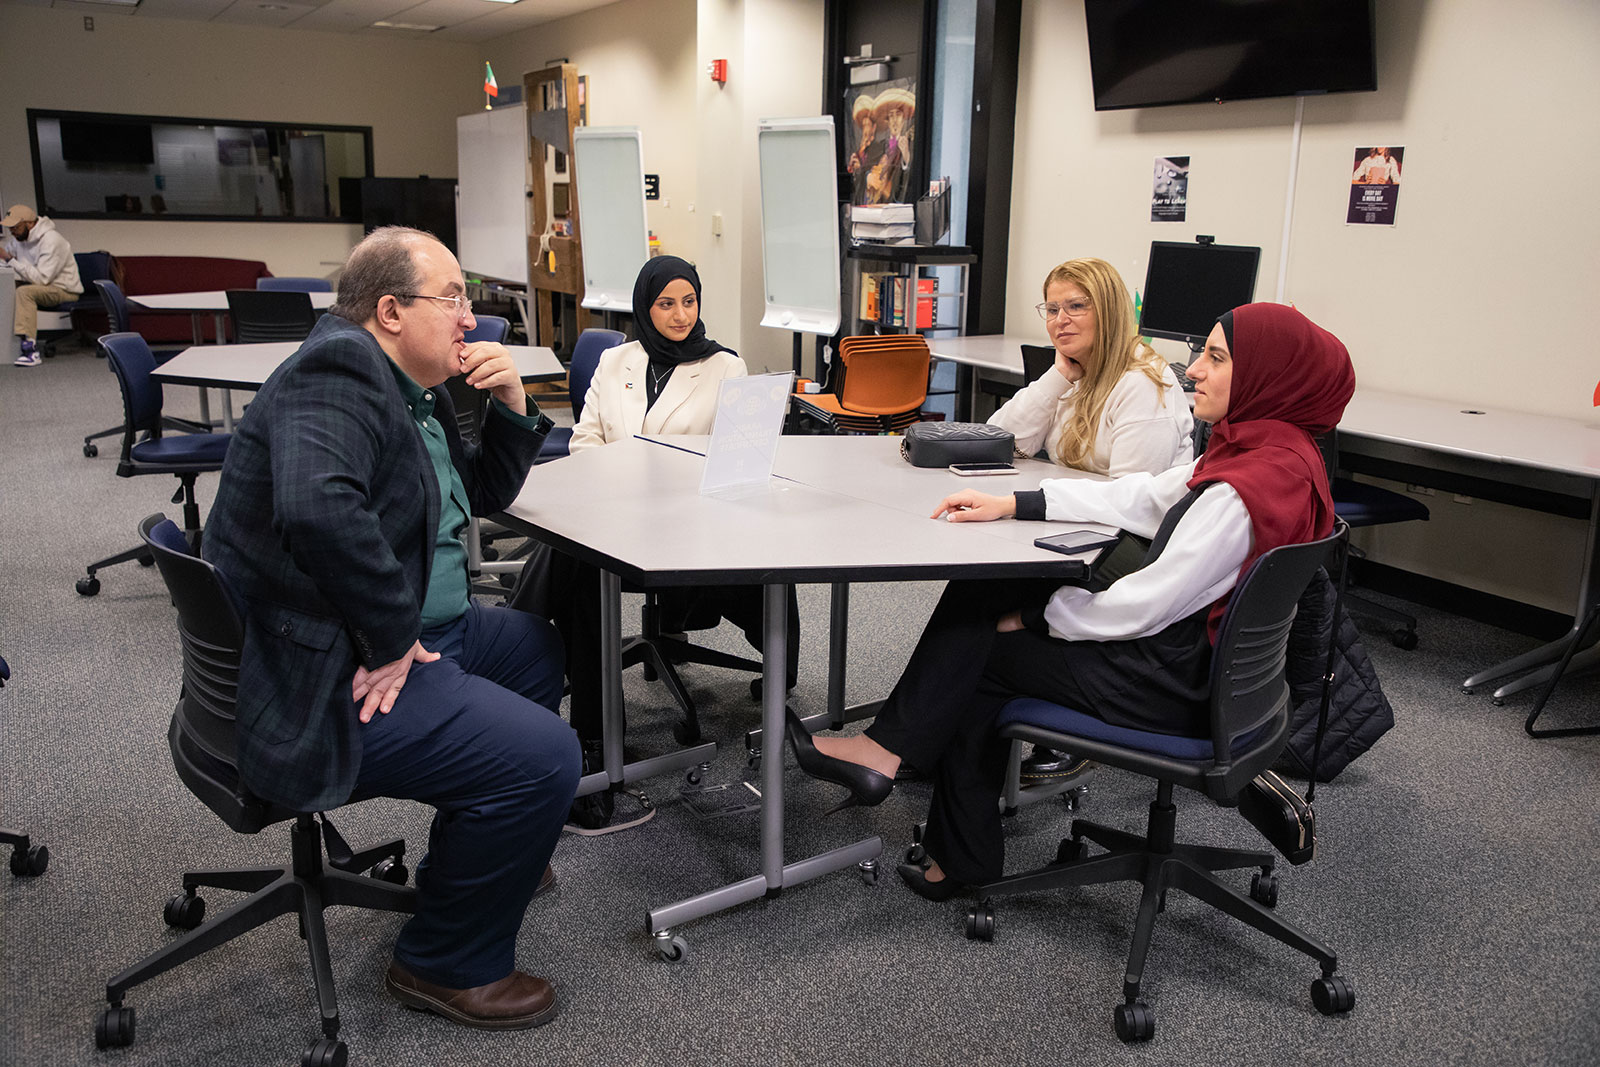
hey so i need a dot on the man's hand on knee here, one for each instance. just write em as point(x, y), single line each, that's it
point(377, 689)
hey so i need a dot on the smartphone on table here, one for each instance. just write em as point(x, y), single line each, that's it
point(1076, 541)
point(978, 470)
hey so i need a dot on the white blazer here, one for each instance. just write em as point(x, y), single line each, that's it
point(614, 408)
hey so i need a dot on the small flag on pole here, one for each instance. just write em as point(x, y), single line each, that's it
point(489, 85)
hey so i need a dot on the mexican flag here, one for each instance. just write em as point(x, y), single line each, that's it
point(489, 85)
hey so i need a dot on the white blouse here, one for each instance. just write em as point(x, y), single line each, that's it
point(1143, 427)
point(1199, 565)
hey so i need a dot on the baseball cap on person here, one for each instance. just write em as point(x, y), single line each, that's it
point(19, 213)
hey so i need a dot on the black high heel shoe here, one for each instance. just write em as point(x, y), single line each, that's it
point(917, 879)
point(868, 787)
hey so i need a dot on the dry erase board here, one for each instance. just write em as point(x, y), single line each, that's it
point(492, 194)
point(799, 224)
point(608, 171)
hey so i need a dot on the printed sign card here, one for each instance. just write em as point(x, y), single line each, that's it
point(744, 438)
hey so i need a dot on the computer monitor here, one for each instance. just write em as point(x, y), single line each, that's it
point(1187, 286)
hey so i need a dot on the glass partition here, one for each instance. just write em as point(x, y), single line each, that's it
point(91, 165)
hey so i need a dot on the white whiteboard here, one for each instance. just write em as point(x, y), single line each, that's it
point(608, 175)
point(492, 194)
point(799, 224)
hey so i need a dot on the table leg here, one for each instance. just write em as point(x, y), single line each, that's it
point(1575, 639)
point(775, 874)
point(220, 321)
point(197, 331)
point(838, 637)
point(613, 712)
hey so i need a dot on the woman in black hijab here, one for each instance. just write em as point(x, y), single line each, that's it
point(664, 382)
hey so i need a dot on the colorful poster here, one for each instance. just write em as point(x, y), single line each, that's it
point(877, 142)
point(1375, 186)
point(1169, 190)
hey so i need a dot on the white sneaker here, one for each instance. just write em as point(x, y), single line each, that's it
point(27, 359)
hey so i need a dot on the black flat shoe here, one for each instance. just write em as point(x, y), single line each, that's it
point(914, 876)
point(868, 788)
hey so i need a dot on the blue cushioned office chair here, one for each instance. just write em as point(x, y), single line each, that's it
point(186, 457)
point(1249, 714)
point(1360, 504)
point(296, 285)
point(27, 859)
point(270, 315)
point(92, 266)
point(201, 737)
point(586, 355)
point(116, 306)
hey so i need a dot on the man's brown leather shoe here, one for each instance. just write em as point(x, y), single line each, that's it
point(516, 1002)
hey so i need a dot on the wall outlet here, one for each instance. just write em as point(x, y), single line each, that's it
point(1419, 490)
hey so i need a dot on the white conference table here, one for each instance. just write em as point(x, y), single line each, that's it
point(840, 509)
point(992, 355)
point(228, 367)
point(213, 302)
point(1538, 461)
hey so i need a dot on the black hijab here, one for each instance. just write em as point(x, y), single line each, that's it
point(655, 276)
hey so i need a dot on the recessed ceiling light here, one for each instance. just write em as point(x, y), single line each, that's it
point(387, 25)
point(502, 1)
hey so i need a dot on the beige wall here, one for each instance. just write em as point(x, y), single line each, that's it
point(1465, 298)
point(216, 70)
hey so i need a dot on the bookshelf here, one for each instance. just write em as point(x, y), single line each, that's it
point(896, 289)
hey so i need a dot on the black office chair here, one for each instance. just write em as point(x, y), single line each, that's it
point(187, 456)
point(471, 405)
point(116, 305)
point(295, 285)
point(1249, 711)
point(1360, 504)
point(27, 859)
point(59, 320)
point(591, 345)
point(270, 315)
point(201, 738)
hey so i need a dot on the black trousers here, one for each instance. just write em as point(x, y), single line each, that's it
point(567, 592)
point(941, 714)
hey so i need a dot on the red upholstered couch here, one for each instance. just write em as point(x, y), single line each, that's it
point(141, 275)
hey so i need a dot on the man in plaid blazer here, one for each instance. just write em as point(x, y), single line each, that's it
point(367, 669)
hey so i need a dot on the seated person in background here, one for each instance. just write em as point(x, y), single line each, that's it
point(367, 670)
point(665, 382)
point(1137, 654)
point(1110, 405)
point(47, 275)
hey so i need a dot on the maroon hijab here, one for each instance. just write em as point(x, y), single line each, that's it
point(1291, 381)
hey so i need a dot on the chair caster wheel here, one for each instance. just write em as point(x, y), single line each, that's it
point(916, 854)
point(325, 1052)
point(980, 922)
point(1333, 994)
point(755, 689)
point(685, 733)
point(147, 561)
point(184, 911)
point(1264, 888)
point(670, 947)
point(90, 451)
point(390, 870)
point(1075, 798)
point(88, 586)
point(1134, 1022)
point(1404, 639)
point(869, 871)
point(114, 1028)
point(28, 862)
point(1467, 690)
point(1070, 850)
point(1498, 702)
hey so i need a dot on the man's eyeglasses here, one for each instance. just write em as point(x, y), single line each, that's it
point(1077, 309)
point(458, 303)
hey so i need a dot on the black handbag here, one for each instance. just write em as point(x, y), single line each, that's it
point(939, 444)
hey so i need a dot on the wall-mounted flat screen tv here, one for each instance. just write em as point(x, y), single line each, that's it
point(1149, 53)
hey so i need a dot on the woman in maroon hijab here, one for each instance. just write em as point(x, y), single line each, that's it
point(1136, 653)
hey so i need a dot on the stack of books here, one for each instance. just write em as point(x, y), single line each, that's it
point(886, 299)
point(889, 224)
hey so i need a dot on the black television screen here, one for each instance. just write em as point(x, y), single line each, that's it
point(1147, 53)
point(426, 203)
point(106, 142)
point(1187, 286)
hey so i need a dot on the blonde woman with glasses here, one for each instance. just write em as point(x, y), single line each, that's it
point(1109, 405)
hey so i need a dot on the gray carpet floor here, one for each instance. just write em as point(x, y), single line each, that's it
point(1457, 871)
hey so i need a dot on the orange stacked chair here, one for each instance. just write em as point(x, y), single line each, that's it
point(880, 385)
